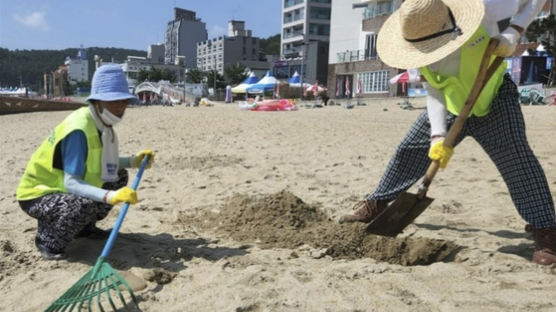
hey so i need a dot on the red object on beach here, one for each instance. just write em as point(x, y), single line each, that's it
point(274, 105)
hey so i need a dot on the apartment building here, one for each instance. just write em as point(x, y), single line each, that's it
point(304, 39)
point(182, 35)
point(353, 58)
point(239, 46)
point(78, 67)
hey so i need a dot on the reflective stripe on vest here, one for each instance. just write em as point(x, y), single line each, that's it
point(41, 177)
point(457, 88)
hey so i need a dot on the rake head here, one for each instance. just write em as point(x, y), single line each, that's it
point(95, 290)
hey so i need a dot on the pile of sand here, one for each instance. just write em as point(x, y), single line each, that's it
point(283, 220)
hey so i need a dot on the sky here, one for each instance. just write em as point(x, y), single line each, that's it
point(131, 24)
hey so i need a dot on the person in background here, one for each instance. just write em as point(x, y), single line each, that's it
point(446, 39)
point(76, 175)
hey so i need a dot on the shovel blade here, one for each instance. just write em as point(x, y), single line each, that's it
point(398, 215)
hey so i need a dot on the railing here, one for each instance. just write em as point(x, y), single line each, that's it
point(293, 52)
point(290, 3)
point(355, 55)
point(293, 19)
point(292, 34)
point(382, 8)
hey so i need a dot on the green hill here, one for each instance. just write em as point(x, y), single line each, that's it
point(28, 66)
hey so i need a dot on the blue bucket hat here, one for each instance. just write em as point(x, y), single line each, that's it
point(109, 84)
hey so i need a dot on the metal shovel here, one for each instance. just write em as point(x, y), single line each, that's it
point(400, 213)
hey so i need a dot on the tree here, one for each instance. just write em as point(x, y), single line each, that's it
point(27, 67)
point(544, 30)
point(211, 75)
point(166, 74)
point(271, 45)
point(194, 75)
point(235, 73)
point(143, 75)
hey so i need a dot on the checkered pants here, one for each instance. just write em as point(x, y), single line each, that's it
point(61, 216)
point(501, 134)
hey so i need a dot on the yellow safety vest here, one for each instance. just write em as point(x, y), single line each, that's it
point(43, 177)
point(457, 88)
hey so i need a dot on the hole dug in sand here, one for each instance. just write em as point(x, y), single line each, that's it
point(283, 220)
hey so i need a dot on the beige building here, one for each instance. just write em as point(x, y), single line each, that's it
point(353, 58)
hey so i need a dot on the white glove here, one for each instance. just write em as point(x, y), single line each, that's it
point(508, 40)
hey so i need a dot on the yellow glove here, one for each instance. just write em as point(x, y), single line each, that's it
point(136, 160)
point(123, 195)
point(440, 153)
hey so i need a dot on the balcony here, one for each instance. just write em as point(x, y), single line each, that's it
point(292, 19)
point(290, 3)
point(378, 9)
point(293, 34)
point(355, 56)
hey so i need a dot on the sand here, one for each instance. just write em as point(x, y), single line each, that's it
point(239, 213)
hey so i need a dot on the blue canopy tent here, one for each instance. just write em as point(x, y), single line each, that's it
point(266, 84)
point(295, 80)
point(242, 87)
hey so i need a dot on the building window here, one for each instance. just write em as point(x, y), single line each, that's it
point(378, 9)
point(290, 3)
point(370, 46)
point(320, 13)
point(374, 82)
point(319, 29)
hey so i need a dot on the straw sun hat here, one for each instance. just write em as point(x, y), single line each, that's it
point(422, 32)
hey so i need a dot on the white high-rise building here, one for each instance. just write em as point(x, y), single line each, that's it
point(303, 21)
point(78, 68)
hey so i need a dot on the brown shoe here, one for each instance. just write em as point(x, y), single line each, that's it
point(365, 211)
point(545, 245)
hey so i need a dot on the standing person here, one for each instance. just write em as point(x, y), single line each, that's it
point(446, 40)
point(76, 175)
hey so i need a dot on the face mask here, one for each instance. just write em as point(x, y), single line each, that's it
point(109, 118)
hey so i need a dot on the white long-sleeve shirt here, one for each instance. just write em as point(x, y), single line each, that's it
point(521, 12)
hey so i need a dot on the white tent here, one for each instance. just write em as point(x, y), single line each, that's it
point(268, 83)
point(242, 87)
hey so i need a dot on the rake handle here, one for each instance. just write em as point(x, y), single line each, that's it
point(484, 75)
point(123, 211)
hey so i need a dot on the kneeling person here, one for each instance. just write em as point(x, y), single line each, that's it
point(76, 175)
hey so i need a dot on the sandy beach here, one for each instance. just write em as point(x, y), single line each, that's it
point(239, 213)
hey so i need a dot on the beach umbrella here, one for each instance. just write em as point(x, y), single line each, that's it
point(315, 88)
point(359, 88)
point(409, 76)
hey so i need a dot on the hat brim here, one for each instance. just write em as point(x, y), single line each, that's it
point(397, 52)
point(113, 96)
